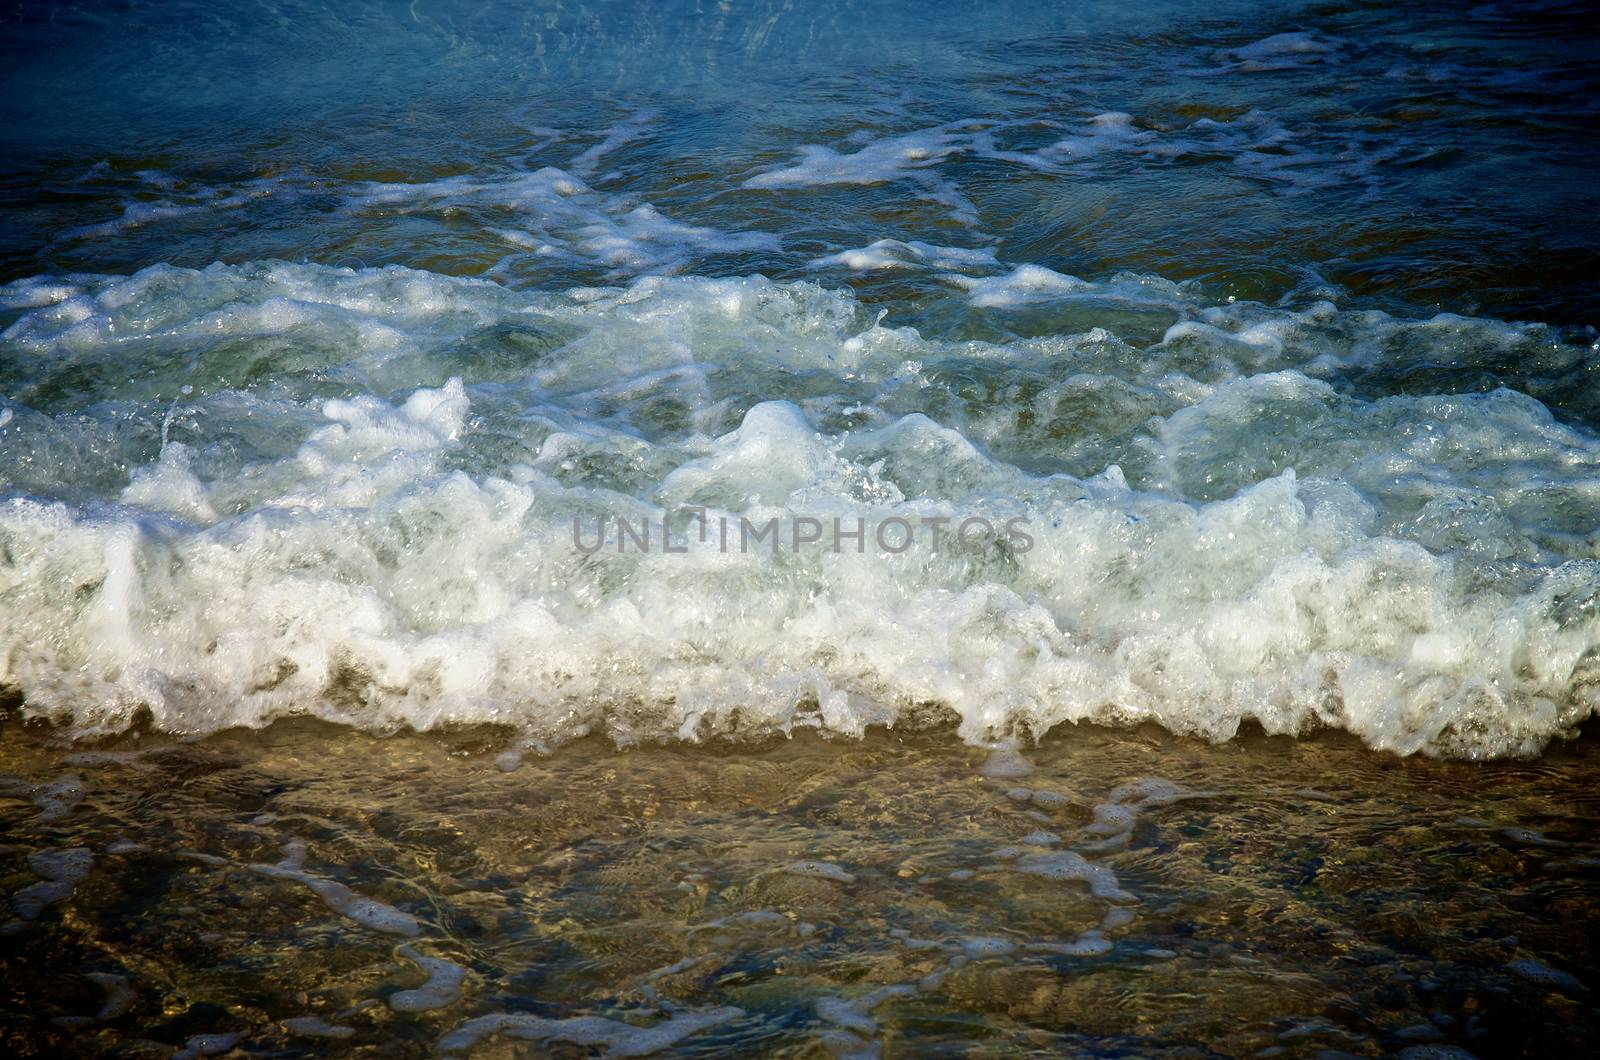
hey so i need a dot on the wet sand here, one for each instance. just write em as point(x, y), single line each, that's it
point(310, 890)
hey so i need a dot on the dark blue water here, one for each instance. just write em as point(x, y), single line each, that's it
point(1420, 156)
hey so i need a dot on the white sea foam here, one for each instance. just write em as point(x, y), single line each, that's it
point(315, 1027)
point(557, 214)
point(381, 531)
point(1282, 51)
point(618, 1038)
point(636, 127)
point(368, 912)
point(879, 160)
point(202, 1045)
point(1087, 944)
point(184, 198)
point(912, 157)
point(548, 213)
point(1113, 131)
point(897, 254)
point(1031, 284)
point(60, 872)
point(1068, 865)
point(820, 870)
point(1292, 158)
point(118, 995)
point(442, 988)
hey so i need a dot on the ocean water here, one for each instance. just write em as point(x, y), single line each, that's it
point(742, 442)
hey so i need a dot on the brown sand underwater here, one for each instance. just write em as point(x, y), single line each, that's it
point(309, 890)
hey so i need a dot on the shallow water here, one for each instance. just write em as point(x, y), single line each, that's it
point(807, 896)
point(1196, 393)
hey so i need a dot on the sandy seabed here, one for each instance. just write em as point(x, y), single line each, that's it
point(311, 890)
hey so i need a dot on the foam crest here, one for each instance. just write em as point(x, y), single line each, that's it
point(1261, 145)
point(547, 214)
point(558, 215)
point(1193, 526)
point(1028, 284)
point(911, 157)
point(898, 254)
point(1282, 51)
point(876, 162)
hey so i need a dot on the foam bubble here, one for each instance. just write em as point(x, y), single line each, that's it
point(1069, 865)
point(119, 997)
point(1087, 944)
point(1006, 763)
point(442, 988)
point(69, 865)
point(60, 871)
point(820, 870)
point(316, 1027)
point(618, 1039)
point(1031, 284)
point(909, 156)
point(368, 912)
point(58, 798)
point(1283, 51)
point(1153, 791)
point(985, 948)
point(896, 254)
point(1544, 975)
point(1111, 819)
point(206, 1045)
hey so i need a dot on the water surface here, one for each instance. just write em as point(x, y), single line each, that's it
point(1260, 337)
